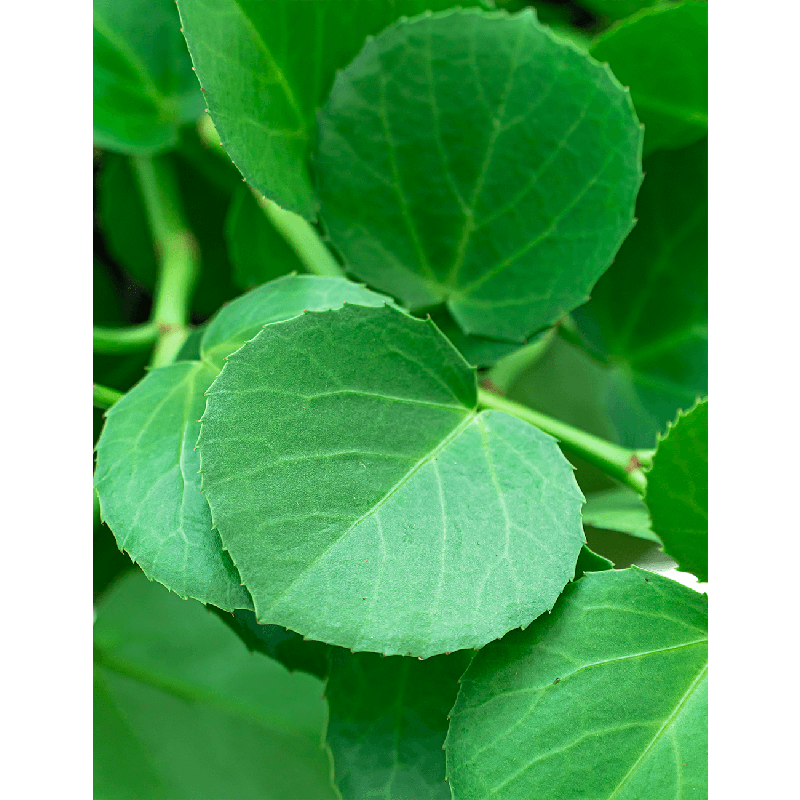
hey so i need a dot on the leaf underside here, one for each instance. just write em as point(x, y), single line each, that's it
point(620, 509)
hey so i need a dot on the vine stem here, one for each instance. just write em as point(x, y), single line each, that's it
point(624, 465)
point(105, 397)
point(124, 340)
point(177, 253)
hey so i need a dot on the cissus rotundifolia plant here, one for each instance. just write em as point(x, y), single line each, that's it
point(401, 343)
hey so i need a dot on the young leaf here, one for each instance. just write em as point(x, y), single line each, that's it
point(147, 466)
point(364, 500)
point(182, 711)
point(263, 92)
point(662, 54)
point(605, 698)
point(649, 313)
point(510, 225)
point(619, 509)
point(677, 491)
point(387, 720)
point(144, 87)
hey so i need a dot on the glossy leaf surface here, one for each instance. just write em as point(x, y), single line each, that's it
point(367, 504)
point(619, 509)
point(510, 225)
point(662, 54)
point(387, 721)
point(605, 698)
point(184, 712)
point(677, 491)
point(147, 466)
point(144, 87)
point(266, 68)
point(649, 313)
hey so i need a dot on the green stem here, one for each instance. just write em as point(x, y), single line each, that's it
point(302, 238)
point(124, 340)
point(105, 397)
point(177, 255)
point(624, 465)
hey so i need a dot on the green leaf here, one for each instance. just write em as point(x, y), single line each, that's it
point(364, 500)
point(258, 251)
point(285, 646)
point(183, 712)
point(149, 487)
point(144, 88)
point(387, 720)
point(619, 509)
point(677, 491)
point(510, 225)
point(147, 466)
point(662, 54)
point(649, 313)
point(607, 697)
point(263, 92)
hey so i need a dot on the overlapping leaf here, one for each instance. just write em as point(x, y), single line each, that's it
point(267, 67)
point(364, 500)
point(605, 698)
point(147, 466)
point(387, 720)
point(183, 711)
point(677, 491)
point(144, 87)
point(649, 313)
point(662, 54)
point(619, 509)
point(501, 165)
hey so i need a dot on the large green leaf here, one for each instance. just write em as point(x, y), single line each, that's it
point(183, 712)
point(617, 9)
point(677, 491)
point(605, 698)
point(147, 466)
point(649, 313)
point(364, 500)
point(267, 66)
point(510, 224)
point(387, 720)
point(662, 55)
point(144, 88)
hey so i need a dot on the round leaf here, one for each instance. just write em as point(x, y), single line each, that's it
point(606, 698)
point(501, 166)
point(677, 491)
point(364, 500)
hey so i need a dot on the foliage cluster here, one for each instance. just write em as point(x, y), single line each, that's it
point(401, 340)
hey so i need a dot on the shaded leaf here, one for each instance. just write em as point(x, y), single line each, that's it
point(514, 223)
point(364, 500)
point(589, 561)
point(147, 466)
point(387, 720)
point(662, 54)
point(267, 67)
point(620, 509)
point(183, 712)
point(144, 87)
point(649, 313)
point(258, 252)
point(617, 9)
point(677, 491)
point(605, 698)
point(285, 646)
